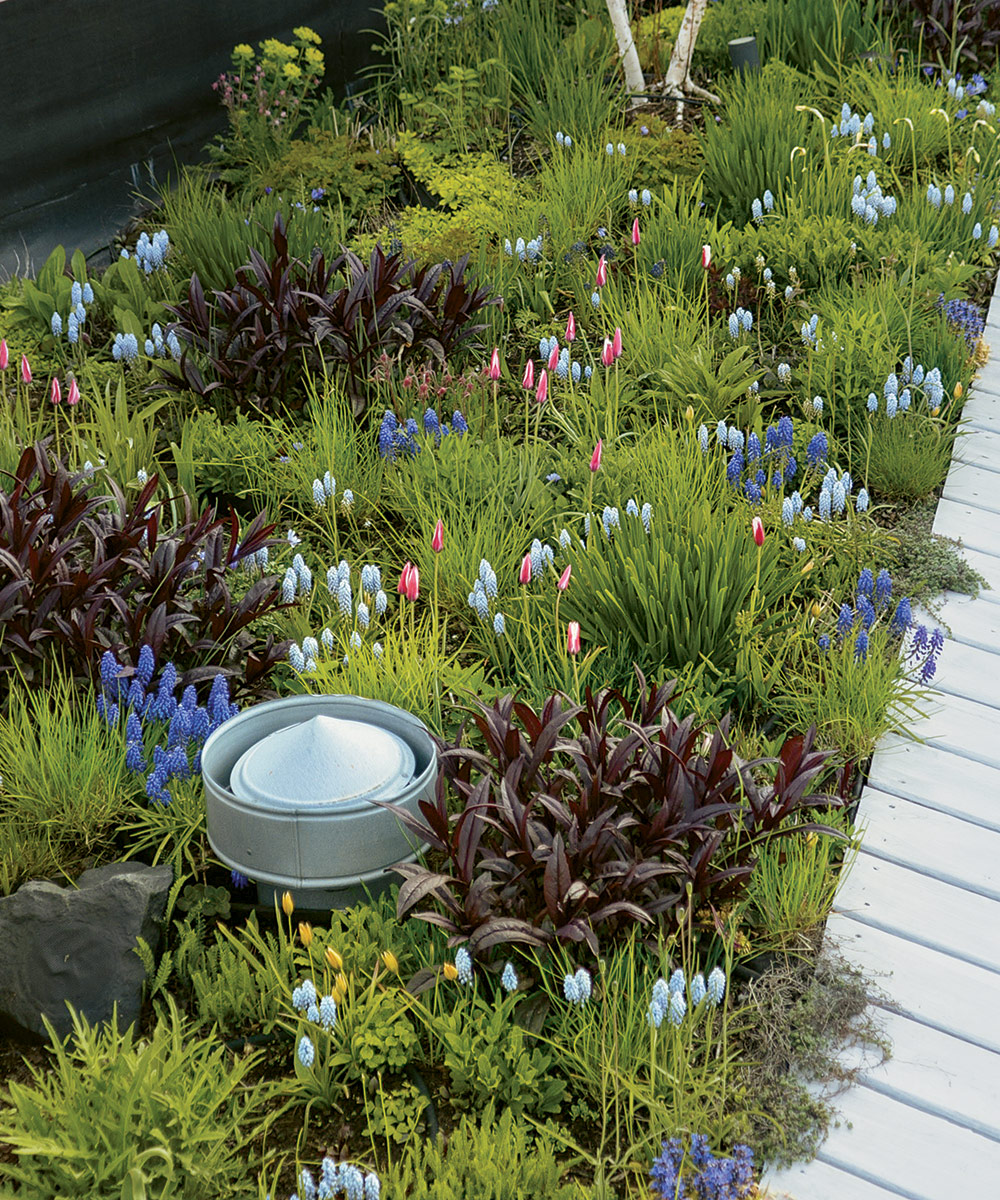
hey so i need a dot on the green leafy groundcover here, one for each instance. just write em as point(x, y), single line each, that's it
point(603, 446)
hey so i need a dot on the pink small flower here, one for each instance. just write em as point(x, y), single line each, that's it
point(528, 378)
point(73, 397)
point(524, 575)
point(55, 393)
point(3, 355)
point(412, 584)
point(553, 355)
point(706, 255)
point(542, 391)
point(494, 371)
point(595, 458)
point(437, 541)
point(563, 583)
point(635, 232)
point(25, 369)
point(616, 343)
point(758, 531)
point(607, 353)
point(602, 273)
point(573, 637)
point(570, 327)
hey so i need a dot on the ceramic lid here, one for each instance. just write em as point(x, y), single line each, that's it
point(323, 761)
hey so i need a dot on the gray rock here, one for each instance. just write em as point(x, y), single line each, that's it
point(77, 944)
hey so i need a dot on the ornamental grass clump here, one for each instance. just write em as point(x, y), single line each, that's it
point(577, 822)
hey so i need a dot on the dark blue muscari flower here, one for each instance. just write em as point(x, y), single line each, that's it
point(431, 423)
point(760, 478)
point(791, 469)
point(239, 880)
point(845, 621)
point(817, 450)
point(866, 583)
point(458, 423)
point(861, 647)
point(146, 665)
point(883, 589)
point(753, 448)
point(786, 431)
point(752, 492)
point(735, 469)
point(823, 641)
point(134, 759)
point(902, 618)
point(866, 612)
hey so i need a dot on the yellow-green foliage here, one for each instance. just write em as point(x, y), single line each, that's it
point(354, 169)
point(472, 190)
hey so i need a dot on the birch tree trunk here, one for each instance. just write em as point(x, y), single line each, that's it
point(634, 81)
point(677, 81)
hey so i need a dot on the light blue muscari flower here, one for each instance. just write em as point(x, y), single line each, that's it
point(463, 964)
point(355, 640)
point(56, 324)
point(364, 617)
point(319, 495)
point(310, 647)
point(595, 299)
point(609, 148)
point(326, 637)
point(784, 372)
point(967, 203)
point(499, 624)
point(677, 1008)
point(787, 511)
point(381, 603)
point(890, 407)
point(886, 140)
point(872, 402)
point(817, 404)
point(722, 433)
point(716, 986)
point(633, 195)
point(756, 211)
point(647, 516)
point(698, 989)
point(861, 502)
point(289, 586)
point(88, 294)
point(677, 982)
point(655, 1013)
point(703, 438)
point(799, 544)
point(306, 1052)
point(296, 658)
point(768, 200)
point(508, 980)
point(621, 149)
point(949, 194)
point(789, 292)
point(977, 232)
point(991, 241)
point(825, 503)
point(345, 598)
point(646, 197)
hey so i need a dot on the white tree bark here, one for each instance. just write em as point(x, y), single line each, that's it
point(634, 81)
point(678, 82)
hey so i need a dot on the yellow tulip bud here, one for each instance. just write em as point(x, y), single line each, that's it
point(808, 567)
point(935, 410)
point(816, 610)
point(689, 413)
point(306, 933)
point(287, 904)
point(450, 971)
point(333, 958)
point(338, 993)
point(958, 391)
point(342, 983)
point(390, 961)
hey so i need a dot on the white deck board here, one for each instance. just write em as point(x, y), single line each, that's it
point(981, 449)
point(901, 900)
point(931, 843)
point(974, 527)
point(820, 1181)
point(969, 671)
point(967, 484)
point(937, 779)
point(949, 995)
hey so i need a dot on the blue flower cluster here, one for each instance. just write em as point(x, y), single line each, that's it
point(808, 331)
point(146, 712)
point(898, 389)
point(759, 207)
point(833, 494)
point(868, 200)
point(484, 589)
point(669, 999)
point(925, 649)
point(577, 988)
point(530, 251)
point(340, 1179)
point(740, 321)
point(370, 599)
point(396, 437)
point(634, 197)
point(319, 1010)
point(751, 468)
point(964, 317)
point(872, 601)
point(151, 252)
point(563, 139)
point(125, 348)
point(564, 367)
point(716, 1178)
point(159, 347)
point(79, 296)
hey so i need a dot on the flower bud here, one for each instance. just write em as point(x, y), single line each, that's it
point(287, 904)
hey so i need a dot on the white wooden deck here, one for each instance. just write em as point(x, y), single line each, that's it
point(921, 909)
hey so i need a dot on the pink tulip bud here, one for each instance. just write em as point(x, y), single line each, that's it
point(758, 531)
point(602, 273)
point(404, 577)
point(553, 355)
point(3, 355)
point(616, 343)
point(25, 369)
point(595, 458)
point(570, 327)
point(524, 575)
point(55, 394)
point(528, 379)
point(413, 585)
point(635, 232)
point(563, 583)
point(494, 371)
point(573, 637)
point(607, 353)
point(542, 391)
point(437, 541)
point(74, 393)
point(706, 255)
